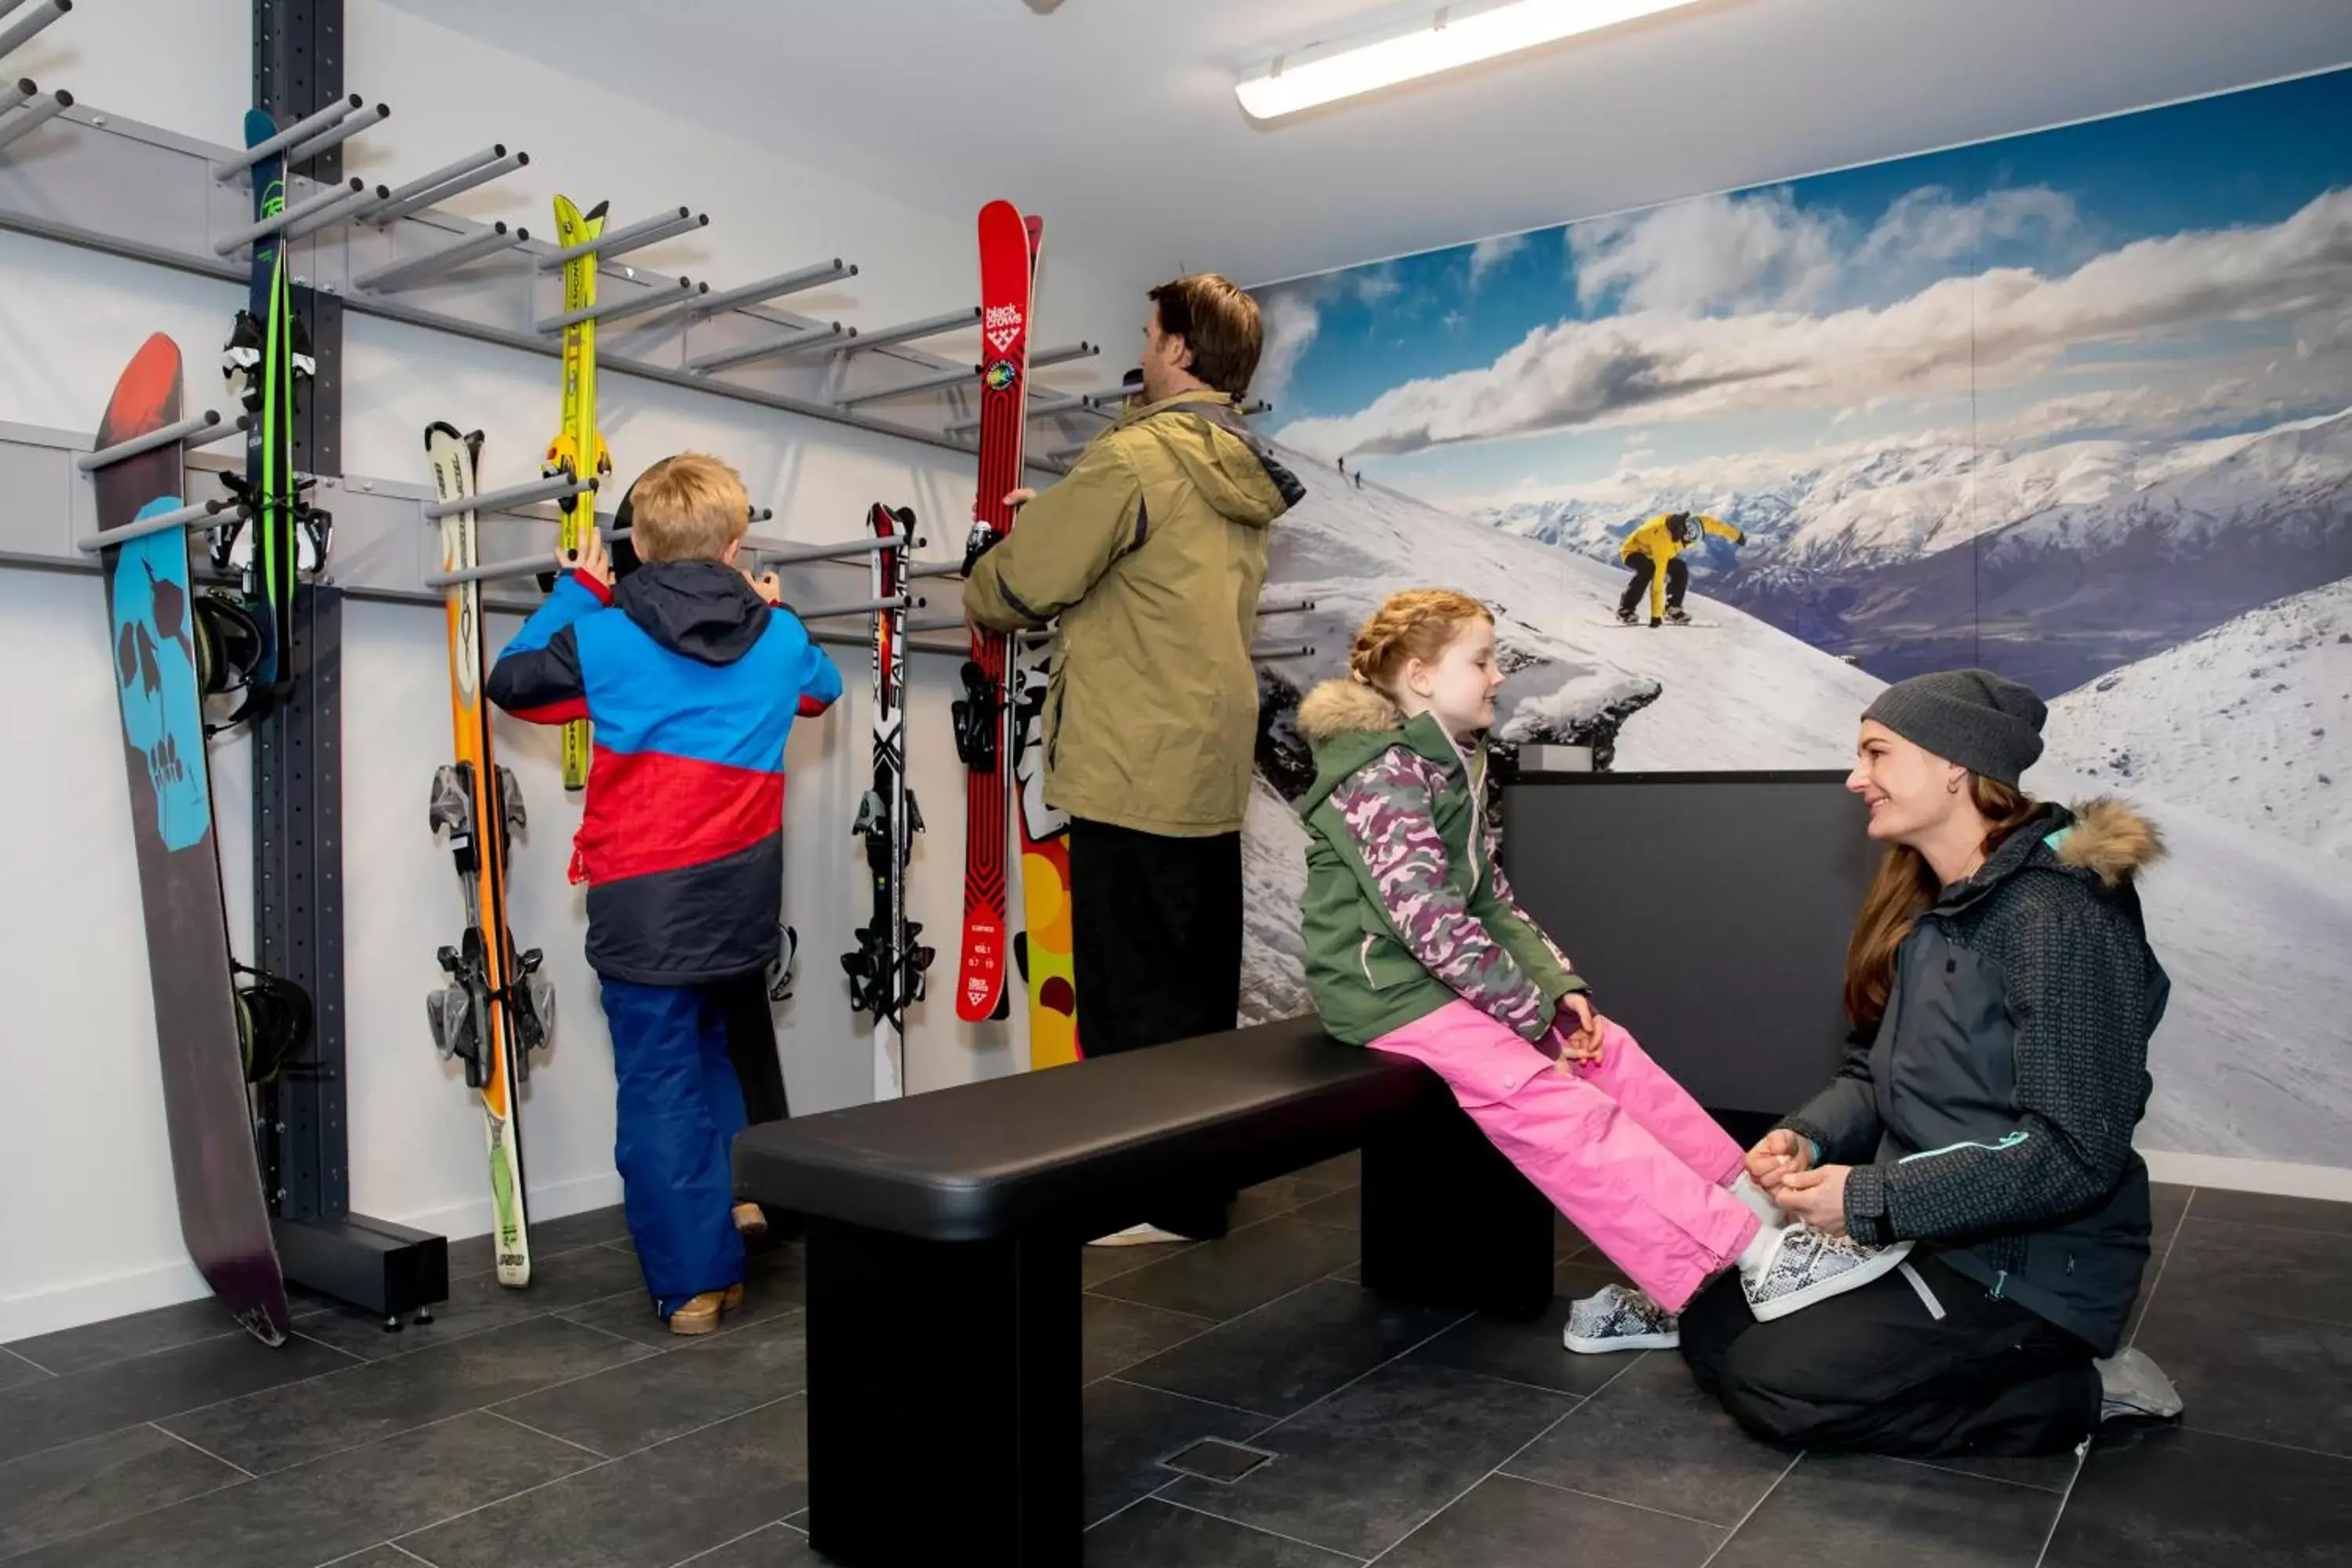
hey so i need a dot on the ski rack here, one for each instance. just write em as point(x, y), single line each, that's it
point(104, 182)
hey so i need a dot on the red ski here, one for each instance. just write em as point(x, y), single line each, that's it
point(1008, 255)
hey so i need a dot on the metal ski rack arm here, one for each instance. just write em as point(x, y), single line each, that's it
point(962, 376)
point(554, 487)
point(16, 93)
point(858, 607)
point(36, 114)
point(831, 334)
point(302, 129)
point(313, 206)
point(197, 519)
point(325, 139)
point(48, 12)
point(107, 457)
point(767, 288)
point(418, 269)
point(633, 236)
point(912, 332)
point(439, 186)
point(653, 298)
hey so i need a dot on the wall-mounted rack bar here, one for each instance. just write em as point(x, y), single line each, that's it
point(775, 288)
point(302, 129)
point(36, 112)
point(108, 184)
point(630, 237)
point(351, 127)
point(859, 607)
point(961, 375)
point(1280, 651)
point(425, 269)
point(615, 309)
point(1284, 607)
point(334, 213)
point(196, 518)
point(107, 457)
point(332, 196)
point(417, 194)
point(16, 93)
point(936, 569)
point(913, 332)
point(48, 12)
point(495, 571)
point(786, 553)
point(554, 487)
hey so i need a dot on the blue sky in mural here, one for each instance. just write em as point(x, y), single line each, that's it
point(2154, 276)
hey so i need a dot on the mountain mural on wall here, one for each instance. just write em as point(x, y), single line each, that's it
point(2076, 405)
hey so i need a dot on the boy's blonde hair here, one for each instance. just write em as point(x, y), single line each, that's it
point(1418, 622)
point(687, 508)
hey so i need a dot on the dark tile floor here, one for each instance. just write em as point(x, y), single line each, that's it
point(562, 1426)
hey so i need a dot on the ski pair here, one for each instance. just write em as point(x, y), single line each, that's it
point(885, 970)
point(497, 1007)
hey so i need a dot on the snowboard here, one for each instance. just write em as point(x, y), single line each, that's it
point(496, 1009)
point(1008, 251)
point(1043, 946)
point(162, 668)
point(578, 449)
point(886, 972)
point(282, 537)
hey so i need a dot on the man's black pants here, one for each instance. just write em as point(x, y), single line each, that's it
point(1155, 951)
point(1677, 583)
point(1875, 1371)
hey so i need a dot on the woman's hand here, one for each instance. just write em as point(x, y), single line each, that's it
point(1780, 1154)
point(1817, 1197)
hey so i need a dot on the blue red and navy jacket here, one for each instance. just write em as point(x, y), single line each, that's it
point(692, 682)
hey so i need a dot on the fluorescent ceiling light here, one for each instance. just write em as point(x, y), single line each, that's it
point(1454, 36)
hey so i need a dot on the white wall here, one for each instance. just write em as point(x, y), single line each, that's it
point(84, 1100)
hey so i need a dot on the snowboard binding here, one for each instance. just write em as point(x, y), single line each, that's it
point(976, 720)
point(274, 1020)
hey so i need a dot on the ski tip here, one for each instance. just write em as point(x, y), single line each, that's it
point(258, 127)
point(440, 427)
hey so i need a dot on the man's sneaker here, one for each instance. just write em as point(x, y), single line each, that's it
point(1677, 614)
point(1625, 617)
point(1616, 1319)
point(1806, 1266)
point(2131, 1387)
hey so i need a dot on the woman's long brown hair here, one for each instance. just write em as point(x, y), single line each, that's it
point(1906, 889)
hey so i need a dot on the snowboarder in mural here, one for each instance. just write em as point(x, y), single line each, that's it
point(1655, 551)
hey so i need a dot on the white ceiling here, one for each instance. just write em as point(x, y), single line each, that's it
point(1117, 118)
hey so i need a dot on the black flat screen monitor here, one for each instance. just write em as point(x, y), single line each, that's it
point(1709, 912)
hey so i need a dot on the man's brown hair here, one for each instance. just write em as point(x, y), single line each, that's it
point(1218, 323)
point(687, 508)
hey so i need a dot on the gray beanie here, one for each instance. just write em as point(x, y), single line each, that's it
point(1971, 717)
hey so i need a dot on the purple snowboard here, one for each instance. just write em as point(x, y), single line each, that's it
point(224, 1216)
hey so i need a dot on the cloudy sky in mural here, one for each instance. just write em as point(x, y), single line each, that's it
point(2154, 278)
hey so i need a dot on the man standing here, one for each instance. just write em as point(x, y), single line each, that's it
point(1150, 554)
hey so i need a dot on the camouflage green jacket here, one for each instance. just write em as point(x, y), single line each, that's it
point(1406, 907)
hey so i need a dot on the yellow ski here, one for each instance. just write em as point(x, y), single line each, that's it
point(578, 449)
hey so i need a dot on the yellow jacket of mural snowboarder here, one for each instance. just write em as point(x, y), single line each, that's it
point(1652, 549)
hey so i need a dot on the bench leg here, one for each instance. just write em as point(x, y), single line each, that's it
point(1449, 1222)
point(943, 1394)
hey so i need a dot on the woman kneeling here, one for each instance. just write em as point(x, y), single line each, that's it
point(2002, 994)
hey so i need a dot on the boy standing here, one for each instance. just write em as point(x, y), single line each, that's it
point(692, 678)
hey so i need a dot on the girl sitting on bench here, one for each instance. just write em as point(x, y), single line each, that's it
point(1416, 946)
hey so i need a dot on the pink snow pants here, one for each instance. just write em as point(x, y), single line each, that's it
point(1618, 1146)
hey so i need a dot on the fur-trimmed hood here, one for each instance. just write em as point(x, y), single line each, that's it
point(1344, 707)
point(2110, 839)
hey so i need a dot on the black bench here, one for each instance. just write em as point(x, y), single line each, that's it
point(943, 1259)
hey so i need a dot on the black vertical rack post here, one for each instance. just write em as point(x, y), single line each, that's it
point(389, 1269)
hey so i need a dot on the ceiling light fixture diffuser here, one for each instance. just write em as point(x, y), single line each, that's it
point(1454, 36)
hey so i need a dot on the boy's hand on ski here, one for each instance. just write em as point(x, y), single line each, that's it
point(591, 561)
point(768, 585)
point(1020, 497)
